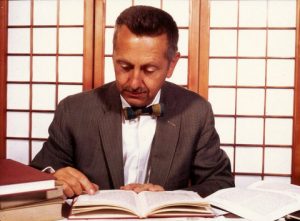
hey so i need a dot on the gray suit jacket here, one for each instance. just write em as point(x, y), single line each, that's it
point(86, 134)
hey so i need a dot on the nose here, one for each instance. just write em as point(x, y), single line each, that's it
point(135, 80)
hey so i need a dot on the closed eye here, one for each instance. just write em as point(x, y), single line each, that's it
point(125, 66)
point(148, 69)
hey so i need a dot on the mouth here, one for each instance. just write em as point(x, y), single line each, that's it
point(134, 95)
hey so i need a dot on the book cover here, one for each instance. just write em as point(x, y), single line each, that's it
point(16, 177)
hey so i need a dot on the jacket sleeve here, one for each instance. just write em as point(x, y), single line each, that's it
point(57, 151)
point(211, 169)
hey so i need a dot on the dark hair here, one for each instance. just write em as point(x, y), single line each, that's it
point(149, 21)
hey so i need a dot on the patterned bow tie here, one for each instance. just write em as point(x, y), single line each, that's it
point(133, 112)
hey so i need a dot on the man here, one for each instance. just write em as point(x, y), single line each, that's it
point(91, 145)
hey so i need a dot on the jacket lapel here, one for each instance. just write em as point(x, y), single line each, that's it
point(165, 140)
point(110, 128)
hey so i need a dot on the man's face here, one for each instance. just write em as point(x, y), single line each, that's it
point(141, 66)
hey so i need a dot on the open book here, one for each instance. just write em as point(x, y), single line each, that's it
point(128, 204)
point(263, 200)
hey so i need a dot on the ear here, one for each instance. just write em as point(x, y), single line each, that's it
point(173, 64)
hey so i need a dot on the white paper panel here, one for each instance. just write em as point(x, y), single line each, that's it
point(252, 43)
point(17, 124)
point(183, 41)
point(279, 131)
point(17, 96)
point(180, 74)
point(244, 181)
point(222, 71)
point(19, 12)
point(71, 12)
point(43, 97)
point(251, 72)
point(44, 40)
point(222, 100)
point(225, 129)
point(223, 42)
point(70, 69)
point(278, 160)
point(71, 40)
point(109, 71)
point(253, 13)
point(248, 159)
point(66, 90)
point(280, 102)
point(44, 68)
point(36, 146)
point(153, 3)
point(40, 124)
point(250, 101)
point(45, 12)
point(223, 13)
point(179, 10)
point(249, 131)
point(18, 40)
point(114, 8)
point(18, 68)
point(280, 72)
point(17, 150)
point(109, 32)
point(281, 43)
point(282, 13)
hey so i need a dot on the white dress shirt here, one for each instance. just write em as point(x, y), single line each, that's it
point(137, 136)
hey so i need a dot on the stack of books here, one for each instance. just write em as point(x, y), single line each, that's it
point(28, 194)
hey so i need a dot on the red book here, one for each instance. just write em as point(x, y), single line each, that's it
point(16, 177)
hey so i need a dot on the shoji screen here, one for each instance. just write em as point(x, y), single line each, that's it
point(251, 84)
point(179, 9)
point(45, 64)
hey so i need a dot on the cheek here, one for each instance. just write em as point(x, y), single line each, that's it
point(121, 79)
point(154, 84)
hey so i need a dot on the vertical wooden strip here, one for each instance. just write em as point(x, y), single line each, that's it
point(193, 53)
point(57, 51)
point(99, 43)
point(30, 80)
point(296, 131)
point(88, 47)
point(3, 75)
point(204, 48)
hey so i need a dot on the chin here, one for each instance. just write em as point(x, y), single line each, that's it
point(136, 103)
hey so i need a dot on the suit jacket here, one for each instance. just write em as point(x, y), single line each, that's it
point(86, 134)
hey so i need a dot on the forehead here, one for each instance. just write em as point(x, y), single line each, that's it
point(125, 39)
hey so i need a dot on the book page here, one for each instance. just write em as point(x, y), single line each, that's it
point(254, 204)
point(151, 201)
point(286, 188)
point(113, 198)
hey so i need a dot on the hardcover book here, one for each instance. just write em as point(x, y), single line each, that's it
point(16, 177)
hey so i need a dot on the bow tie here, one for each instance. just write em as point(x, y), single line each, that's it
point(133, 112)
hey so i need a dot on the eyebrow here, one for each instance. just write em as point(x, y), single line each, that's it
point(142, 66)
